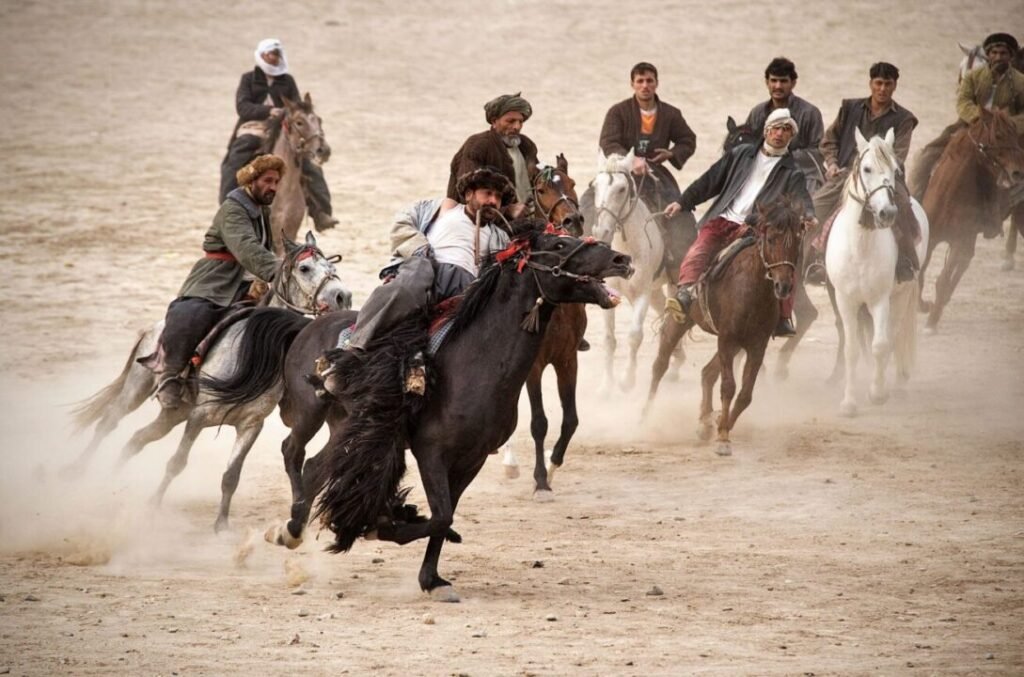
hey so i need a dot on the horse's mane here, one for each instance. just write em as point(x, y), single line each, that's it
point(786, 214)
point(479, 294)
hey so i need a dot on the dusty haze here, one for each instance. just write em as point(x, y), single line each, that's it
point(890, 543)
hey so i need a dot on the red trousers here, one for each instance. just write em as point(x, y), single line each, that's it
point(712, 237)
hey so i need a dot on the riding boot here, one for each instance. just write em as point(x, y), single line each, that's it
point(679, 306)
point(318, 196)
point(583, 346)
point(784, 328)
point(906, 231)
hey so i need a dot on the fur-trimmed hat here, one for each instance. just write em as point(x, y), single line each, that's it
point(260, 164)
point(1004, 39)
point(486, 177)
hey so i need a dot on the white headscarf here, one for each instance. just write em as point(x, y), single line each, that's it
point(778, 118)
point(269, 45)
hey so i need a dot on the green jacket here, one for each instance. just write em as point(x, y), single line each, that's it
point(241, 228)
point(976, 88)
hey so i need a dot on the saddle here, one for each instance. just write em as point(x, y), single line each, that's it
point(716, 271)
point(441, 315)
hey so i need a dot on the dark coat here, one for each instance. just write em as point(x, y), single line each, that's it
point(806, 114)
point(252, 92)
point(620, 134)
point(486, 149)
point(241, 228)
point(839, 145)
point(726, 177)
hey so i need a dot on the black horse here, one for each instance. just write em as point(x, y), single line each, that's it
point(469, 410)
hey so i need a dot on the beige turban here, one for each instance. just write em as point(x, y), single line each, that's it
point(506, 103)
point(262, 163)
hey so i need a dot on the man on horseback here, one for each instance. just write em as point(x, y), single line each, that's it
point(260, 98)
point(997, 86)
point(443, 243)
point(742, 180)
point(656, 132)
point(238, 242)
point(780, 78)
point(503, 147)
point(873, 116)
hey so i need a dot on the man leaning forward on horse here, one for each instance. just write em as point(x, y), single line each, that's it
point(238, 245)
point(743, 179)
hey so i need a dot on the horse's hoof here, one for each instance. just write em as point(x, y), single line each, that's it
point(220, 525)
point(1007, 266)
point(279, 535)
point(879, 398)
point(544, 496)
point(929, 331)
point(781, 372)
point(511, 471)
point(848, 409)
point(627, 385)
point(924, 306)
point(724, 448)
point(444, 593)
point(704, 432)
point(550, 468)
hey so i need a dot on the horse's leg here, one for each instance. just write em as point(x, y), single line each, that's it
point(806, 314)
point(755, 357)
point(566, 371)
point(924, 306)
point(609, 350)
point(636, 337)
point(708, 376)
point(881, 349)
point(846, 320)
point(669, 337)
point(538, 430)
point(1016, 223)
point(178, 462)
point(245, 436)
point(959, 258)
point(165, 421)
point(838, 367)
point(726, 359)
point(293, 448)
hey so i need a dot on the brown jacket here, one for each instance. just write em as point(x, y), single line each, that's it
point(839, 145)
point(486, 149)
point(620, 133)
point(976, 88)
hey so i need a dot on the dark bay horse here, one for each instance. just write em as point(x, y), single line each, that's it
point(742, 308)
point(963, 199)
point(469, 409)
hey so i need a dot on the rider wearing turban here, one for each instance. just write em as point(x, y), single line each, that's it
point(503, 147)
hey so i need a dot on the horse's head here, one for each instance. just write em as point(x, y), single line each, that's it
point(995, 139)
point(305, 130)
point(554, 193)
point(738, 134)
point(872, 180)
point(308, 281)
point(567, 269)
point(780, 228)
point(974, 58)
point(615, 194)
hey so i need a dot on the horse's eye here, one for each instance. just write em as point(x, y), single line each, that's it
point(304, 269)
point(867, 170)
point(560, 245)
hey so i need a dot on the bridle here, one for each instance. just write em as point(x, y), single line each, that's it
point(279, 287)
point(301, 147)
point(764, 259)
point(632, 200)
point(983, 150)
point(548, 175)
point(857, 186)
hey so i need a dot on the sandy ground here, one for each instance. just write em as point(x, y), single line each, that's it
point(890, 543)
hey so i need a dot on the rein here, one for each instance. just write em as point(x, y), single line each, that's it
point(279, 287)
point(1001, 172)
point(768, 266)
point(865, 202)
point(546, 176)
point(633, 201)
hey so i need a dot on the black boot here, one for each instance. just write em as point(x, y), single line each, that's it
point(784, 328)
point(584, 345)
point(904, 269)
point(323, 221)
point(679, 306)
point(815, 272)
point(172, 392)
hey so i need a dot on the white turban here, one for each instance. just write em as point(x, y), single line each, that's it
point(779, 117)
point(269, 45)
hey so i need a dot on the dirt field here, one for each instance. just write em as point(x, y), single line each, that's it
point(891, 543)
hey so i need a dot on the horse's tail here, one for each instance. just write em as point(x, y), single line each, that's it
point(904, 311)
point(269, 333)
point(364, 468)
point(90, 410)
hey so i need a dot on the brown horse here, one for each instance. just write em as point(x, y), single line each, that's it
point(554, 194)
point(299, 139)
point(742, 308)
point(963, 199)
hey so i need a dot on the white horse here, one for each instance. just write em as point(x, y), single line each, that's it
point(624, 222)
point(306, 282)
point(861, 262)
point(974, 58)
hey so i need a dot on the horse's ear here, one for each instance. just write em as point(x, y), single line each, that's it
point(310, 240)
point(627, 162)
point(562, 163)
point(890, 137)
point(289, 246)
point(730, 124)
point(966, 50)
point(602, 161)
point(862, 143)
point(288, 103)
point(308, 100)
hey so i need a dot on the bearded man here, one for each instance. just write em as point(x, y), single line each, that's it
point(502, 147)
point(238, 242)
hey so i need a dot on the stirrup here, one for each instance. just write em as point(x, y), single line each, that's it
point(416, 375)
point(816, 273)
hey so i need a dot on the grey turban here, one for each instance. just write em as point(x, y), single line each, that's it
point(507, 103)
